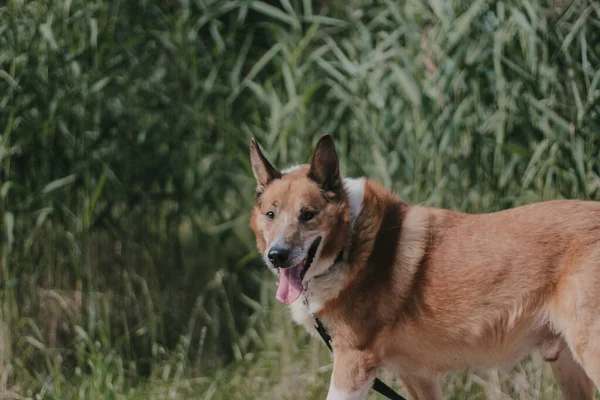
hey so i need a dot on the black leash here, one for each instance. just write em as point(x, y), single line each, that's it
point(378, 386)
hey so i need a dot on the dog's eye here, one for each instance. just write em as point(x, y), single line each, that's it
point(270, 215)
point(306, 215)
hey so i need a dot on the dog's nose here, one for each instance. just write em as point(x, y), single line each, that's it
point(278, 256)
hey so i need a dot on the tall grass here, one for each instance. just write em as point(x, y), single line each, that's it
point(127, 266)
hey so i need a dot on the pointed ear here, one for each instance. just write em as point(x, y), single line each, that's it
point(324, 165)
point(263, 171)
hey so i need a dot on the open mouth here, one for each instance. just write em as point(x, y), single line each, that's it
point(290, 285)
point(312, 252)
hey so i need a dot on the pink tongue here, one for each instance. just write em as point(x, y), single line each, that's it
point(290, 285)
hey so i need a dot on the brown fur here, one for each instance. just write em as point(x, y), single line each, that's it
point(334, 214)
point(425, 291)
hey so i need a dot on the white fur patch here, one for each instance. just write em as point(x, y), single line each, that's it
point(290, 169)
point(355, 187)
point(301, 316)
point(339, 394)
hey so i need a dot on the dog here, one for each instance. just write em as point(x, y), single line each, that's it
point(423, 291)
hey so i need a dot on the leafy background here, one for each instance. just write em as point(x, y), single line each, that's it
point(127, 267)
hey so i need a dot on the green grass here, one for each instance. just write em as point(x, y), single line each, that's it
point(127, 268)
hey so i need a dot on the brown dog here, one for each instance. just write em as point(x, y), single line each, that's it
point(424, 291)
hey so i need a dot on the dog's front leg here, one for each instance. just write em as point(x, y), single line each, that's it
point(353, 374)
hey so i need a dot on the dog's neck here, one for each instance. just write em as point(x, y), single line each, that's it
point(325, 286)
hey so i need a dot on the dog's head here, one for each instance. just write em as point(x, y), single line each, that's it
point(301, 217)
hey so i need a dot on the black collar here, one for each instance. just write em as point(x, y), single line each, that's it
point(339, 257)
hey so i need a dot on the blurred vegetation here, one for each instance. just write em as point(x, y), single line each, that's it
point(127, 267)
